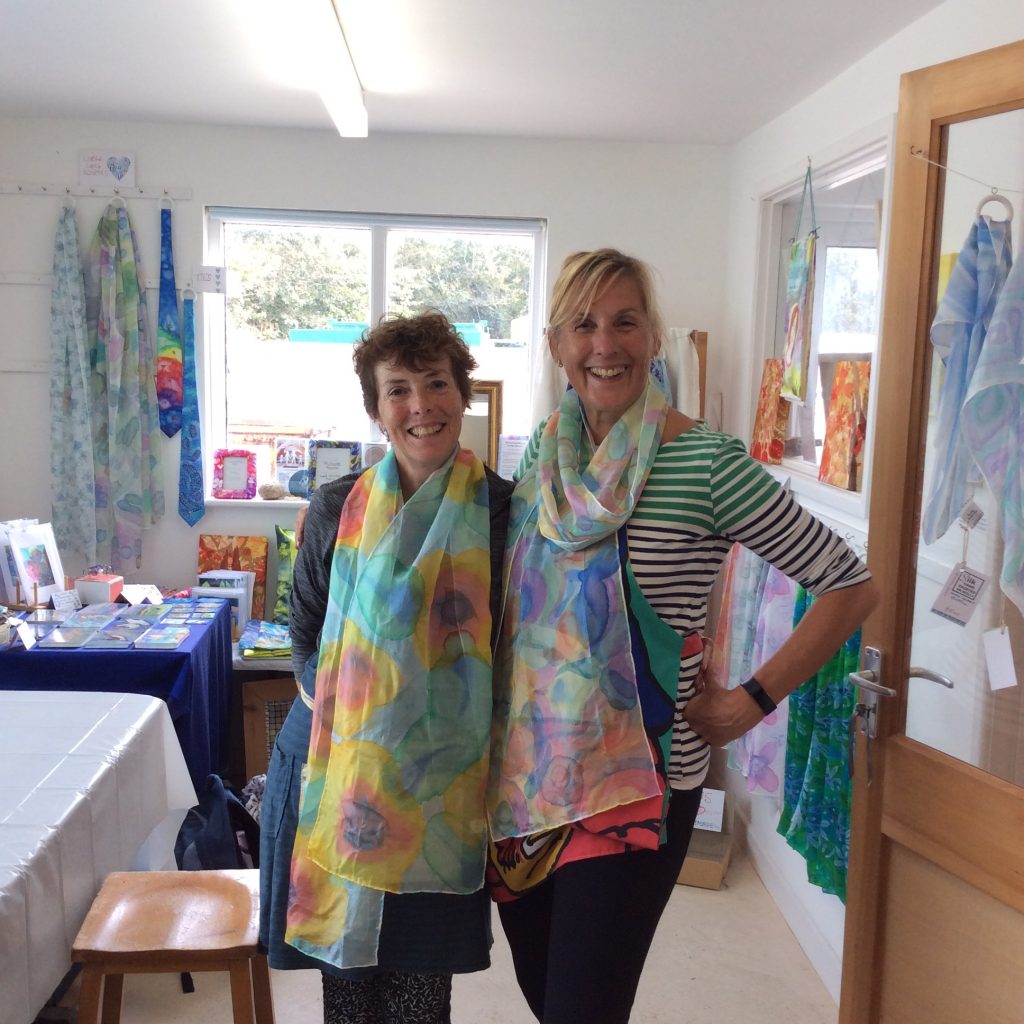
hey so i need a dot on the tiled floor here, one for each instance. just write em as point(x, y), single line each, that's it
point(724, 957)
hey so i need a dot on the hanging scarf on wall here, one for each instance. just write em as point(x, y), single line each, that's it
point(958, 335)
point(569, 738)
point(816, 807)
point(394, 797)
point(72, 473)
point(129, 495)
point(800, 302)
point(772, 417)
point(754, 620)
point(191, 495)
point(993, 424)
point(168, 328)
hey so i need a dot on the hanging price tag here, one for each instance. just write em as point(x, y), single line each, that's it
point(210, 279)
point(971, 514)
point(960, 595)
point(999, 658)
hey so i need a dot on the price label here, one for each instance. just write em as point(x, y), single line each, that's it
point(960, 595)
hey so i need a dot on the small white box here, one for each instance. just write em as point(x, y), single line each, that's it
point(99, 588)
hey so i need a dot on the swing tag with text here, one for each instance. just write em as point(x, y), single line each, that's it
point(971, 514)
point(960, 595)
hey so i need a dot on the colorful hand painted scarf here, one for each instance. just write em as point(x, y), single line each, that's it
point(958, 335)
point(394, 796)
point(569, 738)
point(129, 492)
point(800, 303)
point(168, 328)
point(815, 816)
point(191, 496)
point(993, 424)
point(72, 472)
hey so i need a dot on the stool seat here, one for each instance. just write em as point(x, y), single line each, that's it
point(180, 921)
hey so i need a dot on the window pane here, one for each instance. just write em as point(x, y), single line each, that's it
point(298, 297)
point(849, 315)
point(481, 282)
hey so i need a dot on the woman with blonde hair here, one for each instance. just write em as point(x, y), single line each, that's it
point(624, 511)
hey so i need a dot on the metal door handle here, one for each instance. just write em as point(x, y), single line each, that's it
point(868, 680)
point(927, 673)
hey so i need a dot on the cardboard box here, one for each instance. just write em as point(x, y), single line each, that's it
point(707, 860)
point(99, 588)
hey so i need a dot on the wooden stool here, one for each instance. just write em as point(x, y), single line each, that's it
point(155, 922)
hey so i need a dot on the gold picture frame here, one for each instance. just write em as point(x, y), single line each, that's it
point(481, 426)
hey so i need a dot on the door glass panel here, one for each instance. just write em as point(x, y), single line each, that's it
point(971, 721)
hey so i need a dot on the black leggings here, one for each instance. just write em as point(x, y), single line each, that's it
point(580, 939)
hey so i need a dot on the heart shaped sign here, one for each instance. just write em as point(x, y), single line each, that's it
point(118, 166)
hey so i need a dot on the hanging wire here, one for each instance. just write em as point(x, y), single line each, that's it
point(919, 154)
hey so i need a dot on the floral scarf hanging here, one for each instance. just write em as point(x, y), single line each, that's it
point(993, 425)
point(72, 471)
point(394, 796)
point(958, 336)
point(816, 807)
point(760, 754)
point(129, 493)
point(800, 302)
point(169, 372)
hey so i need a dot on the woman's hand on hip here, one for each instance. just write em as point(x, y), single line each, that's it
point(719, 715)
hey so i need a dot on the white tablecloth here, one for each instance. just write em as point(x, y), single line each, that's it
point(89, 783)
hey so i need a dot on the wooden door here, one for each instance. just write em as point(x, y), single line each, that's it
point(935, 908)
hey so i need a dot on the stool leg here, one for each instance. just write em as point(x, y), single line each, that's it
point(261, 990)
point(89, 994)
point(113, 986)
point(241, 992)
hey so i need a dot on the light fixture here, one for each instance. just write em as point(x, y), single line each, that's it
point(337, 80)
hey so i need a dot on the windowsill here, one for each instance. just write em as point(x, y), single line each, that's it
point(257, 502)
point(846, 508)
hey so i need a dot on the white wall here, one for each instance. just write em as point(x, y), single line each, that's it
point(662, 202)
point(858, 106)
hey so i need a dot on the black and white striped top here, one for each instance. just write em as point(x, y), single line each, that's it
point(703, 493)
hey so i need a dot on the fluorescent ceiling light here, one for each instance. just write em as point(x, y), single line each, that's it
point(876, 163)
point(337, 80)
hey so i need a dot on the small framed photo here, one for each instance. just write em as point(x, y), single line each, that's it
point(8, 568)
point(330, 459)
point(37, 560)
point(481, 426)
point(234, 473)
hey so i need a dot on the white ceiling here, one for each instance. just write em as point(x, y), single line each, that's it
point(705, 71)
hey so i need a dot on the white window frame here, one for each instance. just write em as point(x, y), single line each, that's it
point(845, 507)
point(214, 321)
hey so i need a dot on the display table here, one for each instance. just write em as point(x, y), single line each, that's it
point(194, 680)
point(91, 783)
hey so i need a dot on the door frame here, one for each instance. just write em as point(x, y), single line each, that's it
point(989, 859)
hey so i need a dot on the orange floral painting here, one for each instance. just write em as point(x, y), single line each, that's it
point(842, 457)
point(772, 416)
point(245, 554)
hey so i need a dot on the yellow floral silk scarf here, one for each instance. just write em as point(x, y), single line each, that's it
point(393, 800)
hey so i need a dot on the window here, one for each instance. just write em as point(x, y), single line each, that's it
point(845, 318)
point(302, 287)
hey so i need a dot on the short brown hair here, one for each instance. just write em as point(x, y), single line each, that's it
point(584, 275)
point(412, 342)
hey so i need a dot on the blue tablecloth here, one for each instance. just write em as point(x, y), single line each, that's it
point(193, 679)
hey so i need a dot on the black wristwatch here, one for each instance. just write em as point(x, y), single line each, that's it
point(757, 692)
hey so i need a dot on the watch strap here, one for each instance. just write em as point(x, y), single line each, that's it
point(759, 695)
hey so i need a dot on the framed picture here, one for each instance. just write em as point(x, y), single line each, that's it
point(330, 459)
point(481, 426)
point(37, 560)
point(8, 570)
point(234, 473)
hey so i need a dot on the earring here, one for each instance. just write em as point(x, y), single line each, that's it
point(560, 364)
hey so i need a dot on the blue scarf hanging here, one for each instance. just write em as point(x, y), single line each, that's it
point(191, 502)
point(168, 326)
